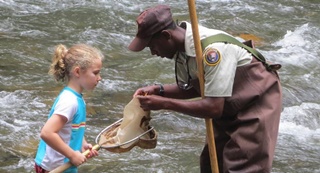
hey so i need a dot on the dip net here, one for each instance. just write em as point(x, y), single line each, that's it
point(130, 131)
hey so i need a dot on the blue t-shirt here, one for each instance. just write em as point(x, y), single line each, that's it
point(71, 105)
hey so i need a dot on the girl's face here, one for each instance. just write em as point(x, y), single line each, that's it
point(90, 77)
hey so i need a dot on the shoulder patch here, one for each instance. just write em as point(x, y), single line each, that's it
point(212, 56)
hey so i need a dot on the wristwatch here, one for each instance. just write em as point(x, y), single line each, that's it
point(161, 90)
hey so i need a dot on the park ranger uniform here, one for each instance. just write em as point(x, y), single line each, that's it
point(246, 133)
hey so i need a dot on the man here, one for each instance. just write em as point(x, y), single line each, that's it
point(241, 93)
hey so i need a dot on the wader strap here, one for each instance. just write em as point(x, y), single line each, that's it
point(227, 39)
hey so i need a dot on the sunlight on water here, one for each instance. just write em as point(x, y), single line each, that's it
point(300, 45)
point(301, 126)
point(306, 115)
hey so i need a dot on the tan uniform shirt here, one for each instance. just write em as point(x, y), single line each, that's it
point(218, 78)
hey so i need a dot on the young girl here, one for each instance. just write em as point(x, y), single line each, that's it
point(62, 136)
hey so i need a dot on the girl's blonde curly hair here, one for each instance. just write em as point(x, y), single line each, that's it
point(65, 60)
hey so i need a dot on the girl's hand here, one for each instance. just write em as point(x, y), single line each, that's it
point(77, 158)
point(93, 153)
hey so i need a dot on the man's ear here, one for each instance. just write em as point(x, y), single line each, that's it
point(166, 34)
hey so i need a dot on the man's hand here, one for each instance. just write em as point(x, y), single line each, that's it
point(151, 102)
point(148, 90)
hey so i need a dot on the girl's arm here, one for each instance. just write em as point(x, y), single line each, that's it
point(49, 134)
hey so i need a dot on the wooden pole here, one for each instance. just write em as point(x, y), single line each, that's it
point(208, 121)
point(69, 164)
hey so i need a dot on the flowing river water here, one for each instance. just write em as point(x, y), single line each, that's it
point(287, 32)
